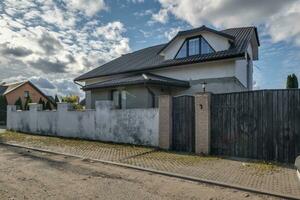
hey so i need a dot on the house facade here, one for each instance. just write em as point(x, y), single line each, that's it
point(23, 90)
point(219, 61)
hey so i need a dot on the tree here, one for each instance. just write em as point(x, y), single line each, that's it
point(74, 100)
point(42, 103)
point(295, 79)
point(71, 99)
point(48, 106)
point(56, 99)
point(27, 102)
point(3, 108)
point(19, 104)
point(292, 81)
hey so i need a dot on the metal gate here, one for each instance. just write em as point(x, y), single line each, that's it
point(183, 136)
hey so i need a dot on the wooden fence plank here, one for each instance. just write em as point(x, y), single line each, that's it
point(257, 124)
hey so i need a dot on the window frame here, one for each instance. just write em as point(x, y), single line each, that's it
point(26, 94)
point(187, 40)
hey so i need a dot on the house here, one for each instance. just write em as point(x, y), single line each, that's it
point(23, 90)
point(220, 61)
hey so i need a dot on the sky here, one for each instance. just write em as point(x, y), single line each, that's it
point(51, 42)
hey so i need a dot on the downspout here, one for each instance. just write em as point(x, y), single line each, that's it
point(152, 95)
point(149, 90)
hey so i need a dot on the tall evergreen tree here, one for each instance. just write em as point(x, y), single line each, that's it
point(27, 102)
point(48, 106)
point(42, 103)
point(292, 81)
point(56, 99)
point(19, 104)
point(3, 108)
point(295, 80)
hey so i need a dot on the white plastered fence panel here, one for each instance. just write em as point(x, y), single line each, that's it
point(132, 126)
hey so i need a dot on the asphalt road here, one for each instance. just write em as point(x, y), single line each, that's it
point(34, 175)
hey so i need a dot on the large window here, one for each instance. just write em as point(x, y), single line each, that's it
point(182, 52)
point(194, 46)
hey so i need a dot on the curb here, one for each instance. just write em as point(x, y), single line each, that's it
point(175, 175)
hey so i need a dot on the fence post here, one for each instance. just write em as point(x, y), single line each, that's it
point(202, 123)
point(165, 121)
point(9, 117)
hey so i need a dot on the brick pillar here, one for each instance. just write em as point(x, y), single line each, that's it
point(165, 121)
point(202, 123)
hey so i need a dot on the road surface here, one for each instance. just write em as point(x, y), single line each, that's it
point(26, 174)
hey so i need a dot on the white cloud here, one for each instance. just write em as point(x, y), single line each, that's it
point(173, 31)
point(136, 1)
point(89, 7)
point(143, 13)
point(57, 42)
point(161, 16)
point(279, 17)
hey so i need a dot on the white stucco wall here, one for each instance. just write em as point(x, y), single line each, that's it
point(217, 42)
point(241, 71)
point(133, 126)
point(199, 71)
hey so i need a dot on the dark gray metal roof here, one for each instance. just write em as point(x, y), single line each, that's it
point(149, 58)
point(147, 78)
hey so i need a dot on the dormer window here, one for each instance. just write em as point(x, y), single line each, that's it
point(194, 46)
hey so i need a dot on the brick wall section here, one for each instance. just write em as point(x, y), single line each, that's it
point(19, 92)
point(165, 121)
point(202, 123)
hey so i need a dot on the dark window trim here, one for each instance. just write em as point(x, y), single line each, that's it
point(181, 48)
point(187, 40)
point(208, 45)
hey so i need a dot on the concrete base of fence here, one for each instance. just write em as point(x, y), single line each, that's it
point(202, 123)
point(165, 122)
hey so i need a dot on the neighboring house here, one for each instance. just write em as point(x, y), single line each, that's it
point(220, 60)
point(23, 90)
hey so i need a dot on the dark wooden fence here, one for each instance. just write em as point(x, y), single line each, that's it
point(183, 136)
point(257, 124)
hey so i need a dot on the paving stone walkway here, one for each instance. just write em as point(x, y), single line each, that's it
point(280, 179)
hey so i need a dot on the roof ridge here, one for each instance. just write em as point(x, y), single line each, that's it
point(144, 48)
point(240, 27)
point(13, 83)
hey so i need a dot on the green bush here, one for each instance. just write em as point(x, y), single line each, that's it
point(74, 100)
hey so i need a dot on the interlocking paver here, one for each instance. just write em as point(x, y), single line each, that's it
point(257, 175)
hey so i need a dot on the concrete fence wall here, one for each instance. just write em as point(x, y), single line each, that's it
point(133, 126)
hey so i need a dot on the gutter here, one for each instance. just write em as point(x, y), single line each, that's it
point(78, 84)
